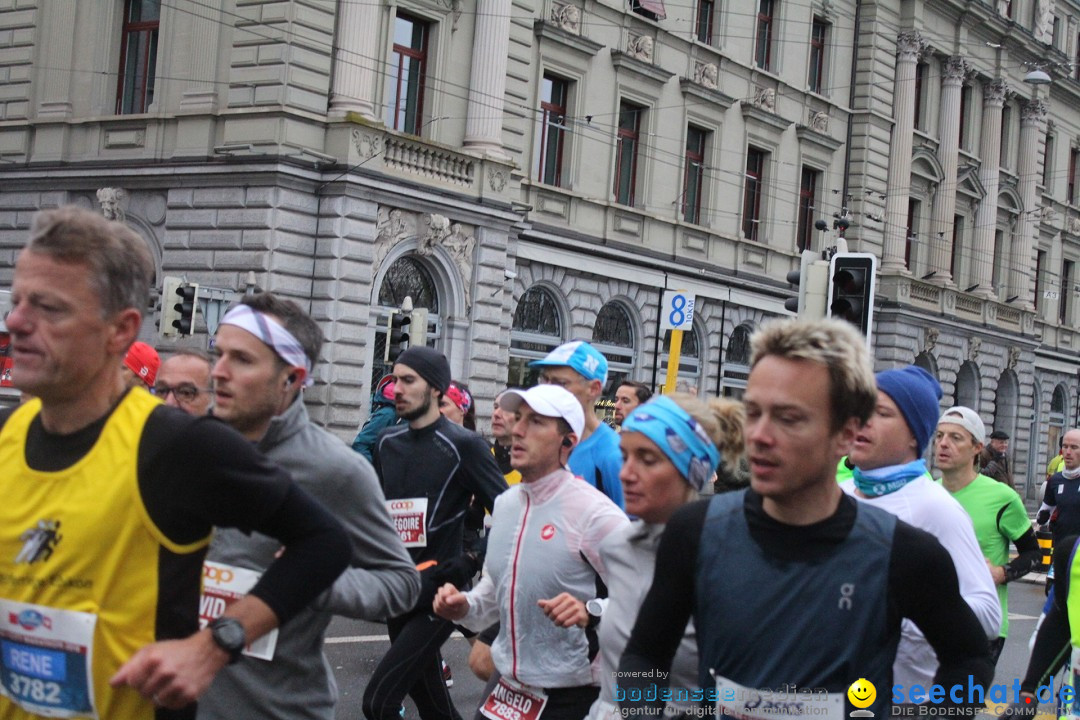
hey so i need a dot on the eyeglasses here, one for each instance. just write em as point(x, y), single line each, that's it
point(185, 392)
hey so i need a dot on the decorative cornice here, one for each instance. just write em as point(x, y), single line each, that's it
point(644, 70)
point(579, 44)
point(714, 97)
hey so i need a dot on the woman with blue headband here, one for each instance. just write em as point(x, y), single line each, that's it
point(671, 447)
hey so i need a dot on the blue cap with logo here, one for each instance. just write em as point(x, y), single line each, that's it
point(579, 356)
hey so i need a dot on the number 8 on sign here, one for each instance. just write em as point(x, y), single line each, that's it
point(678, 310)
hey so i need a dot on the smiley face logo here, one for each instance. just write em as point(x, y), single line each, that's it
point(862, 693)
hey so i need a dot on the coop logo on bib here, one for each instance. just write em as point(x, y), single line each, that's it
point(547, 532)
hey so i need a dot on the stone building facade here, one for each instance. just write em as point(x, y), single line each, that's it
point(533, 171)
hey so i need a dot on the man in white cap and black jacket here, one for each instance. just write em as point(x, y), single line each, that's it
point(430, 469)
point(543, 560)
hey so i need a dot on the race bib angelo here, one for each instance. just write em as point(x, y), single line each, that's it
point(410, 519)
point(512, 701)
point(45, 659)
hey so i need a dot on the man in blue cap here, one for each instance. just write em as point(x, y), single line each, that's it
point(582, 369)
point(890, 473)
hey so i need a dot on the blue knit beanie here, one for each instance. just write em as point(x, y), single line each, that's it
point(917, 394)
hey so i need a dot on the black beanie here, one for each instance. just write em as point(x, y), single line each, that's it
point(429, 364)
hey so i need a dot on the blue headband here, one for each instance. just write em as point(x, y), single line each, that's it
point(678, 436)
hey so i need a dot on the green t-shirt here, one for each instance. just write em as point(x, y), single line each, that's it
point(843, 472)
point(983, 499)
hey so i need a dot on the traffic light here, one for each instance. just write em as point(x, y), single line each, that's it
point(397, 335)
point(812, 278)
point(170, 314)
point(418, 327)
point(184, 323)
point(852, 281)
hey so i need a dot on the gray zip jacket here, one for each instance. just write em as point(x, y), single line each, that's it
point(381, 582)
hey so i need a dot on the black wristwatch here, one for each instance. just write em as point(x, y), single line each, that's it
point(229, 635)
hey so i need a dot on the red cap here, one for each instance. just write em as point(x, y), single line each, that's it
point(144, 361)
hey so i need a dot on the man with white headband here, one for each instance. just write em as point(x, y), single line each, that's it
point(266, 347)
point(543, 559)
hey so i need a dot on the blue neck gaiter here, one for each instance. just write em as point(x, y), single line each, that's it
point(882, 481)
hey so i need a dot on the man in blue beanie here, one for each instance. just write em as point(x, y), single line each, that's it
point(890, 473)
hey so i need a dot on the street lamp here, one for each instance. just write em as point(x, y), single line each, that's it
point(1038, 76)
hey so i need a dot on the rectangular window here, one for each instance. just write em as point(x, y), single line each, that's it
point(1076, 72)
point(1055, 38)
point(695, 173)
point(138, 56)
point(957, 247)
point(1065, 298)
point(965, 116)
point(703, 25)
point(626, 152)
point(921, 71)
point(755, 187)
point(912, 238)
point(551, 133)
point(808, 184)
point(1001, 260)
point(1074, 161)
point(816, 77)
point(1048, 165)
point(1040, 281)
point(764, 36)
point(1006, 136)
point(408, 67)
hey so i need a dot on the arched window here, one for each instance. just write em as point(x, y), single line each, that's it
point(1059, 414)
point(613, 335)
point(537, 330)
point(967, 386)
point(406, 277)
point(737, 363)
point(927, 362)
point(689, 376)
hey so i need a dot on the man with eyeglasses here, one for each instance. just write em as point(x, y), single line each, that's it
point(183, 381)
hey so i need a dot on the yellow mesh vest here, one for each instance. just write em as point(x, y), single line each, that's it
point(102, 556)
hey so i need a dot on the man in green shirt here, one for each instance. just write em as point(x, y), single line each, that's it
point(996, 510)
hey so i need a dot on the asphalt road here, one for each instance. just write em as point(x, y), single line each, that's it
point(354, 648)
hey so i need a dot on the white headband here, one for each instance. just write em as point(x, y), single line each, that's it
point(273, 333)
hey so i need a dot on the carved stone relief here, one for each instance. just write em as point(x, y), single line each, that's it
point(113, 202)
point(706, 74)
point(566, 17)
point(640, 47)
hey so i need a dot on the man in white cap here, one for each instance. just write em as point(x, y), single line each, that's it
point(542, 558)
point(582, 369)
point(996, 510)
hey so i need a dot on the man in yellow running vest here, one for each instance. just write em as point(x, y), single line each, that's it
point(110, 497)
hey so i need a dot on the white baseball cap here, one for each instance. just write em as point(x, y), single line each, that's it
point(549, 401)
point(966, 418)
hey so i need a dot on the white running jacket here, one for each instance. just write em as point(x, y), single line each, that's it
point(539, 534)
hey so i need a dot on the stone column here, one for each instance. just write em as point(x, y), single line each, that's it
point(487, 87)
point(982, 265)
point(201, 48)
point(940, 241)
point(57, 25)
point(909, 45)
point(355, 60)
point(1032, 120)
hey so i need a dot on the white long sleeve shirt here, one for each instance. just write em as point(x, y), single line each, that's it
point(545, 539)
point(928, 506)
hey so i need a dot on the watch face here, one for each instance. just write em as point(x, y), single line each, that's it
point(229, 633)
point(594, 607)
